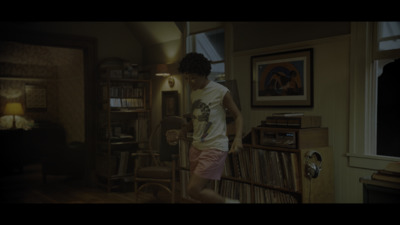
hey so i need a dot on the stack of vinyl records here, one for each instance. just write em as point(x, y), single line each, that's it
point(293, 120)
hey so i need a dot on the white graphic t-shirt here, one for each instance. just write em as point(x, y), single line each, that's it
point(208, 116)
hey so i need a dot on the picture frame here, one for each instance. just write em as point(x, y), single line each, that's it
point(170, 103)
point(282, 79)
point(35, 98)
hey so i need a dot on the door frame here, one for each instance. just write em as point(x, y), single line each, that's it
point(88, 45)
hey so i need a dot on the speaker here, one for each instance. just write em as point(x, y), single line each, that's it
point(313, 168)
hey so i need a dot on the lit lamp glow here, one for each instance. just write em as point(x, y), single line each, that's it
point(14, 109)
point(162, 71)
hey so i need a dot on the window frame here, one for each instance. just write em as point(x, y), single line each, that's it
point(191, 36)
point(228, 30)
point(363, 89)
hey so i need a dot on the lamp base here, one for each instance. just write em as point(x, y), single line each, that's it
point(14, 125)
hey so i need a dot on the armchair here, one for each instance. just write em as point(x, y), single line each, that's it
point(160, 167)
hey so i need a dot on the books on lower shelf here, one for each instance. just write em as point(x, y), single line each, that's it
point(271, 168)
point(126, 103)
point(274, 176)
point(124, 96)
point(266, 195)
point(235, 190)
point(133, 130)
point(123, 163)
point(276, 169)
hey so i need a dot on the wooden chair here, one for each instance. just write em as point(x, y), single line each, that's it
point(157, 166)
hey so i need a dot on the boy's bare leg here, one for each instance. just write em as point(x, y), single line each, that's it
point(197, 189)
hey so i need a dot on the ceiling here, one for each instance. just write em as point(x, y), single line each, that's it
point(151, 33)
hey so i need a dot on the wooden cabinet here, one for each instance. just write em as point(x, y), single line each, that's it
point(273, 168)
point(124, 119)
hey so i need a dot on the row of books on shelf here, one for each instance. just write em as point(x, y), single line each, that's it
point(276, 169)
point(127, 103)
point(391, 173)
point(271, 168)
point(238, 165)
point(234, 190)
point(124, 161)
point(242, 191)
point(125, 91)
point(135, 130)
point(127, 71)
point(266, 195)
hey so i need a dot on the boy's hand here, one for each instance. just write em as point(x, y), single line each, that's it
point(172, 136)
point(236, 146)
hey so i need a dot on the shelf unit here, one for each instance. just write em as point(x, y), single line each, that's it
point(268, 171)
point(124, 120)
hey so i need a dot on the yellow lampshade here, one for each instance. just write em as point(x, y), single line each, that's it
point(13, 108)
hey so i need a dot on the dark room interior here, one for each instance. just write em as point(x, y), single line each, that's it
point(81, 102)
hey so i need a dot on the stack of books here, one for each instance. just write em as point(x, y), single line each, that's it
point(391, 173)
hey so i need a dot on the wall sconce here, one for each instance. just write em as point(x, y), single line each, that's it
point(13, 108)
point(162, 71)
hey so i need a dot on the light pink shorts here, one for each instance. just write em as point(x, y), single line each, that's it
point(208, 163)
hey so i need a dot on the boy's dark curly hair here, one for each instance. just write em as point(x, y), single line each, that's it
point(195, 63)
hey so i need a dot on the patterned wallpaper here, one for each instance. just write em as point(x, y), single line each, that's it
point(57, 70)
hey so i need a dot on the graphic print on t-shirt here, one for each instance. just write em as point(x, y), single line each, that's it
point(201, 112)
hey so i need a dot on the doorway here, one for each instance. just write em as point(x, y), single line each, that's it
point(86, 49)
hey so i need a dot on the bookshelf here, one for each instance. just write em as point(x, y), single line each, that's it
point(273, 172)
point(123, 119)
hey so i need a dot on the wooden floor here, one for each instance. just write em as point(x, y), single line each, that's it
point(28, 187)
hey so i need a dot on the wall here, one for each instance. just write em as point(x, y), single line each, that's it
point(114, 38)
point(331, 102)
point(70, 92)
point(253, 35)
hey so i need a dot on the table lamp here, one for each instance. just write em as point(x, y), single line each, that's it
point(13, 108)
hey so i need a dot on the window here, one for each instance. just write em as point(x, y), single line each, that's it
point(212, 45)
point(387, 50)
point(388, 35)
point(372, 46)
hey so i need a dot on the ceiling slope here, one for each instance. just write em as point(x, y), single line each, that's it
point(152, 33)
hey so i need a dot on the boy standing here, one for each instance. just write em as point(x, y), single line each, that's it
point(210, 145)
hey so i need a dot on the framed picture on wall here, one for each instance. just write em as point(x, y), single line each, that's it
point(170, 103)
point(283, 79)
point(35, 97)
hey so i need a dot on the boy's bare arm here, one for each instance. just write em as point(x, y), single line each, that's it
point(231, 106)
